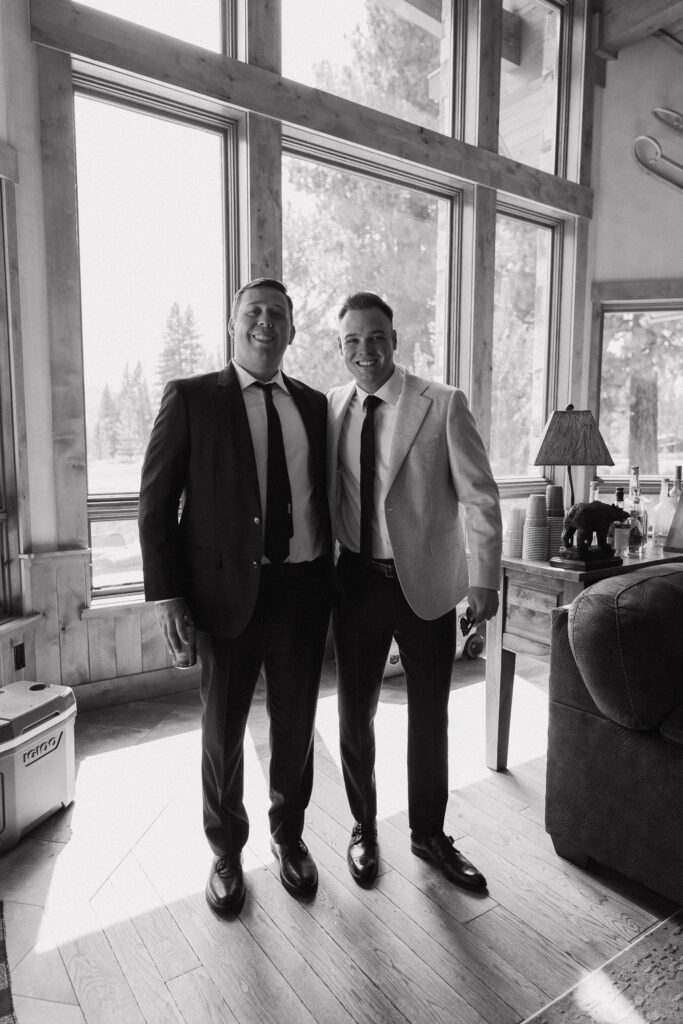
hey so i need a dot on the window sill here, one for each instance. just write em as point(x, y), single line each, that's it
point(117, 605)
point(17, 624)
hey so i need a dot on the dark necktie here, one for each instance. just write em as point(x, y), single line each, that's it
point(367, 475)
point(278, 491)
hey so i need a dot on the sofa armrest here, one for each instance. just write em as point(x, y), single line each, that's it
point(566, 685)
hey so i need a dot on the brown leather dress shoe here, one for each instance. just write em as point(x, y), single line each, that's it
point(225, 888)
point(298, 872)
point(439, 850)
point(361, 855)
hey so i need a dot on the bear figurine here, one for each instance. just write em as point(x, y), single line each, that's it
point(582, 521)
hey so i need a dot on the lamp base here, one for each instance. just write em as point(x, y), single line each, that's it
point(586, 564)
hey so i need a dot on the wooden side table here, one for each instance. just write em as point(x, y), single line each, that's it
point(528, 593)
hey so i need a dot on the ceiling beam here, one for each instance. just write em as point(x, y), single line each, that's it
point(627, 21)
point(110, 41)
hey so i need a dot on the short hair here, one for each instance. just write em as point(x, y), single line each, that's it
point(262, 282)
point(365, 300)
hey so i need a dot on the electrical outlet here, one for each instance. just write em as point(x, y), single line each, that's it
point(19, 657)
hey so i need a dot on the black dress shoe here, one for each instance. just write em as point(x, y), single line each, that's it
point(439, 850)
point(361, 855)
point(225, 887)
point(298, 872)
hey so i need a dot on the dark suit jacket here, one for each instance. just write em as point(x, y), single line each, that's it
point(201, 450)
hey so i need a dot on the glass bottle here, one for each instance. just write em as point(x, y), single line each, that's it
point(637, 516)
point(677, 489)
point(619, 502)
point(662, 514)
point(594, 489)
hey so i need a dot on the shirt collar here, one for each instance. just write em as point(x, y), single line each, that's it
point(246, 379)
point(390, 390)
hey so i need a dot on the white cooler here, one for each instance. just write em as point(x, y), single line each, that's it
point(37, 760)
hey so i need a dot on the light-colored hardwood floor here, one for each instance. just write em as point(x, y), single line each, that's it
point(107, 921)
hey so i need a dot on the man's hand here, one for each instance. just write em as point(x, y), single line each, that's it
point(483, 602)
point(176, 623)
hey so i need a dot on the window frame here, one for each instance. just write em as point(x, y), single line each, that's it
point(627, 296)
point(265, 108)
point(124, 506)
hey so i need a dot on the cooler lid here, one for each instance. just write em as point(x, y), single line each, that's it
point(25, 704)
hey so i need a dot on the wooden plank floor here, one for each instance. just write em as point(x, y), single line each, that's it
point(107, 921)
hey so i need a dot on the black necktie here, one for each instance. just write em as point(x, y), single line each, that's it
point(367, 475)
point(279, 526)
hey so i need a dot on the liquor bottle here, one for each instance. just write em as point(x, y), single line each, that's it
point(594, 489)
point(637, 516)
point(677, 489)
point(662, 514)
point(619, 502)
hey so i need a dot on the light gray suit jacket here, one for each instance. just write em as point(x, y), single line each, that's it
point(438, 466)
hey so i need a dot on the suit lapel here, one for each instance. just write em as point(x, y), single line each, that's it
point(411, 410)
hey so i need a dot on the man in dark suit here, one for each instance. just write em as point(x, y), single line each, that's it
point(248, 566)
point(405, 461)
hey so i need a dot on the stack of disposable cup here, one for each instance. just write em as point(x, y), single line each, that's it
point(512, 542)
point(554, 502)
point(535, 535)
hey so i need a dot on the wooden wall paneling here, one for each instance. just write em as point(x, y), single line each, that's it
point(64, 304)
point(73, 591)
point(29, 640)
point(101, 648)
point(105, 39)
point(7, 674)
point(154, 653)
point(128, 645)
point(42, 586)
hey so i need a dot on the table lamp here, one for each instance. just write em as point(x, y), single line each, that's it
point(571, 438)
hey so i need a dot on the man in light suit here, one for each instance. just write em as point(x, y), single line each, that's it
point(404, 460)
point(256, 585)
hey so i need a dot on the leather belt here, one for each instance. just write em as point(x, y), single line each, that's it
point(383, 566)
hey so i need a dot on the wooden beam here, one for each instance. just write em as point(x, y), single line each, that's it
point(58, 146)
point(627, 21)
point(111, 41)
point(9, 163)
point(264, 147)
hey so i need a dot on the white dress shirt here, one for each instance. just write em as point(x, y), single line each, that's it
point(307, 542)
point(348, 527)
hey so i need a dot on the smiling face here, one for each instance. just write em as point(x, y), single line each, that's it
point(261, 328)
point(367, 342)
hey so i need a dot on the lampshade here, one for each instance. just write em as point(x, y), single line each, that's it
point(572, 438)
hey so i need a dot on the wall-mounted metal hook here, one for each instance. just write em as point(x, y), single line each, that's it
point(669, 117)
point(648, 153)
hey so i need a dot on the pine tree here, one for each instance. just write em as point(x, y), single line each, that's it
point(181, 355)
point(107, 427)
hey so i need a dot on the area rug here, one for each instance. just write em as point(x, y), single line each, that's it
point(642, 985)
point(6, 1005)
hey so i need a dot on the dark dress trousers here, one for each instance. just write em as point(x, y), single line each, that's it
point(201, 458)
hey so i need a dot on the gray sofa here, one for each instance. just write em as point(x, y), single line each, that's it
point(614, 787)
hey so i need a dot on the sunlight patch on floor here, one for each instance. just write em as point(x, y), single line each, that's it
point(467, 738)
point(597, 997)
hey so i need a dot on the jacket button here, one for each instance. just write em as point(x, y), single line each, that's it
point(257, 520)
point(254, 565)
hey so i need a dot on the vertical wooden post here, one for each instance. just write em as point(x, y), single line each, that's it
point(473, 368)
point(64, 299)
point(264, 147)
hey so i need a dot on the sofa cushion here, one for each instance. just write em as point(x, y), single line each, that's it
point(626, 634)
